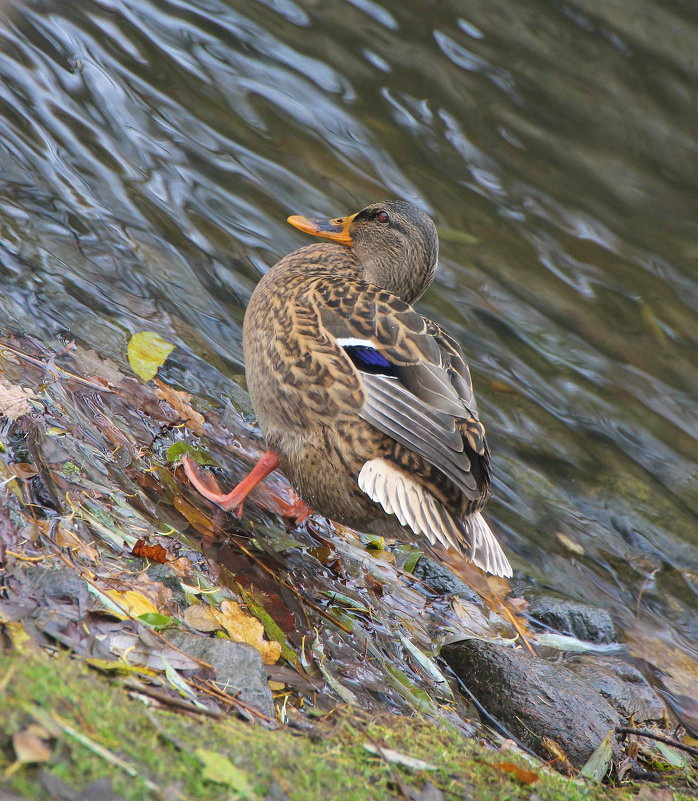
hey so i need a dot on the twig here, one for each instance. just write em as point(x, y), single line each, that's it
point(197, 683)
point(659, 737)
point(165, 698)
point(52, 367)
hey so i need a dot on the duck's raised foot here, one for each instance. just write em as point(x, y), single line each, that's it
point(232, 501)
point(297, 510)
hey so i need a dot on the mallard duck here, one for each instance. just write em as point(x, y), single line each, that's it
point(366, 405)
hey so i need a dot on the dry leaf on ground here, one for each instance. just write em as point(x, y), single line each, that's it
point(93, 366)
point(240, 627)
point(29, 744)
point(181, 402)
point(67, 539)
point(156, 553)
point(14, 400)
point(201, 617)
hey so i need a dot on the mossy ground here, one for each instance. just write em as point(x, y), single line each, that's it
point(162, 747)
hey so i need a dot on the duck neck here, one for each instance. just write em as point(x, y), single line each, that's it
point(405, 270)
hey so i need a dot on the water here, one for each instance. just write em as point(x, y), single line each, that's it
point(151, 151)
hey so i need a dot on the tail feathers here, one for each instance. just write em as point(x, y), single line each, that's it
point(482, 546)
point(414, 506)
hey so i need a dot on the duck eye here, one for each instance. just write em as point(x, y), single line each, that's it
point(383, 217)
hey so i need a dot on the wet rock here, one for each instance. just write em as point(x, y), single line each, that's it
point(579, 620)
point(167, 575)
point(534, 698)
point(238, 667)
point(442, 580)
point(621, 684)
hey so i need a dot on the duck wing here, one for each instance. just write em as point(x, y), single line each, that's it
point(416, 380)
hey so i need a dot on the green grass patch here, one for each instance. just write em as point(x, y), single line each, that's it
point(98, 731)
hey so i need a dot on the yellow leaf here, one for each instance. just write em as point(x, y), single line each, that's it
point(245, 628)
point(135, 602)
point(146, 352)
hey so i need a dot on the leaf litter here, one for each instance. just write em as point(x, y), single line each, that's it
point(108, 507)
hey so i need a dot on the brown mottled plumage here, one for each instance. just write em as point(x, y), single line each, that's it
point(368, 404)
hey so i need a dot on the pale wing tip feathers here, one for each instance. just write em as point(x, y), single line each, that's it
point(484, 550)
point(415, 507)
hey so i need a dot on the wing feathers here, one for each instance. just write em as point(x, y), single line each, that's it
point(416, 508)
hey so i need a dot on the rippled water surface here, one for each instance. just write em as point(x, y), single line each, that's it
point(151, 151)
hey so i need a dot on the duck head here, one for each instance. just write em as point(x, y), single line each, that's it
point(394, 242)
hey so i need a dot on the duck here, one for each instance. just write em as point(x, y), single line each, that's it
point(366, 405)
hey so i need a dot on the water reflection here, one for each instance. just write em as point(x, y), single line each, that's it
point(150, 152)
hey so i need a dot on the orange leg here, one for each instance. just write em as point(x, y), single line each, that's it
point(207, 485)
point(233, 501)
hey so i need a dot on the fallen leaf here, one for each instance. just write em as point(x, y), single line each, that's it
point(150, 652)
point(558, 755)
point(29, 744)
point(220, 769)
point(23, 469)
point(92, 365)
point(194, 517)
point(201, 617)
point(570, 544)
point(244, 628)
point(14, 400)
point(157, 621)
point(67, 539)
point(134, 602)
point(523, 775)
point(180, 401)
point(155, 553)
point(199, 455)
point(501, 386)
point(147, 352)
point(398, 758)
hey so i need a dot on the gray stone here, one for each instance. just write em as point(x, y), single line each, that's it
point(577, 619)
point(237, 666)
point(442, 580)
point(534, 698)
point(621, 684)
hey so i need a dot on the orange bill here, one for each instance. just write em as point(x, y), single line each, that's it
point(337, 230)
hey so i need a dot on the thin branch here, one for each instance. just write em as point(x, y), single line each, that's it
point(689, 749)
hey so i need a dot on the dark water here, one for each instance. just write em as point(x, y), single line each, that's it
point(151, 151)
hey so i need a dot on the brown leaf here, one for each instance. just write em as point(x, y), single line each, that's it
point(23, 469)
point(501, 386)
point(14, 400)
point(201, 617)
point(67, 539)
point(29, 744)
point(92, 365)
point(156, 553)
point(180, 402)
point(523, 775)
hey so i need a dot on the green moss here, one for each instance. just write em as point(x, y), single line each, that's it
point(162, 745)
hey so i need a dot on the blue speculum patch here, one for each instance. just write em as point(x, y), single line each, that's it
point(369, 359)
